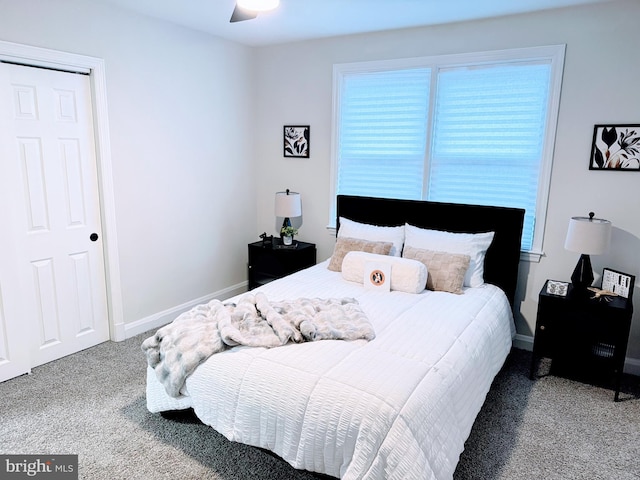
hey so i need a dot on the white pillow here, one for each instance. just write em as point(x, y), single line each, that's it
point(407, 275)
point(473, 244)
point(373, 233)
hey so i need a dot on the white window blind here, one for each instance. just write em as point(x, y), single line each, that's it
point(488, 137)
point(474, 128)
point(381, 137)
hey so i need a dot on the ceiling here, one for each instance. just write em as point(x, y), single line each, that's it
point(297, 20)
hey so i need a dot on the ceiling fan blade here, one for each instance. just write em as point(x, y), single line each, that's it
point(240, 15)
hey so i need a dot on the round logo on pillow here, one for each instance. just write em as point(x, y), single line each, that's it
point(377, 277)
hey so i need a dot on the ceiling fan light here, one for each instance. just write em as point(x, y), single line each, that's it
point(258, 5)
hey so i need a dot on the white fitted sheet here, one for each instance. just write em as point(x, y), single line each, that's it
point(398, 407)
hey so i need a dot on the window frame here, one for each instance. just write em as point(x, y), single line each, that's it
point(552, 54)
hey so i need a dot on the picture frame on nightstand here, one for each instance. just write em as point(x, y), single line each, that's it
point(555, 287)
point(618, 282)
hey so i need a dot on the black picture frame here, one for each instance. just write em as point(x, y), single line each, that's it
point(617, 282)
point(296, 140)
point(615, 148)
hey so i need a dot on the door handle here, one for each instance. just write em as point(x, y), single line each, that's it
point(93, 237)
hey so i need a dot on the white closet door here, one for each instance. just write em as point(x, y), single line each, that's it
point(52, 282)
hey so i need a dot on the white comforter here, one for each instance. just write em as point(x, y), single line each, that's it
point(398, 407)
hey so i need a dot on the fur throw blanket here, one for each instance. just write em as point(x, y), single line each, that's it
point(178, 348)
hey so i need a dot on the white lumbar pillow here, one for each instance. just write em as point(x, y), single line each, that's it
point(407, 275)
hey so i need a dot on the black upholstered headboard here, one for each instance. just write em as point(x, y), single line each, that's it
point(503, 256)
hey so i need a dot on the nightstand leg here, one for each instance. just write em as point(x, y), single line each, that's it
point(533, 367)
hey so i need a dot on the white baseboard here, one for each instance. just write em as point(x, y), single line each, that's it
point(157, 320)
point(632, 366)
point(525, 342)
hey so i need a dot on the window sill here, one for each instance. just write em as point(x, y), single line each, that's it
point(532, 257)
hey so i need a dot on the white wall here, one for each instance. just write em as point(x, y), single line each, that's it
point(179, 103)
point(600, 86)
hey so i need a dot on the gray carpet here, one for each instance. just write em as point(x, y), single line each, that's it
point(92, 404)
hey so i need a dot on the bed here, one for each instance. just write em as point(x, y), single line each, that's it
point(399, 406)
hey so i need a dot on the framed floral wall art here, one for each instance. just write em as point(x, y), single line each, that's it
point(615, 147)
point(297, 141)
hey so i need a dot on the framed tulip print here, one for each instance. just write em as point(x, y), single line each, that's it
point(297, 141)
point(615, 148)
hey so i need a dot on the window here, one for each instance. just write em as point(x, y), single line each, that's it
point(383, 120)
point(476, 128)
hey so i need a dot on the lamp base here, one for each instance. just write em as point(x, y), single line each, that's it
point(582, 276)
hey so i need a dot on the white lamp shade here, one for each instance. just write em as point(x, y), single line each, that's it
point(288, 204)
point(589, 236)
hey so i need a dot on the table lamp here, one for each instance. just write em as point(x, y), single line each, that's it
point(288, 204)
point(587, 236)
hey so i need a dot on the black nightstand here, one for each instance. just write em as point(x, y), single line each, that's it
point(267, 262)
point(585, 337)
